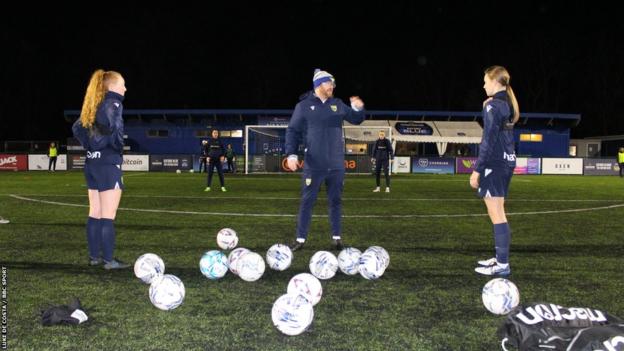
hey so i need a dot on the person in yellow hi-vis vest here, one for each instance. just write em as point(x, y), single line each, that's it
point(621, 161)
point(52, 154)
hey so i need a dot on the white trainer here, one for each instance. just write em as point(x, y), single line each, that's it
point(488, 262)
point(495, 270)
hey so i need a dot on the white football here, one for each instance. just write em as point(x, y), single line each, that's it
point(500, 296)
point(167, 292)
point(149, 266)
point(371, 266)
point(292, 314)
point(213, 264)
point(381, 253)
point(279, 257)
point(178, 171)
point(227, 239)
point(323, 264)
point(233, 258)
point(250, 266)
point(349, 260)
point(307, 286)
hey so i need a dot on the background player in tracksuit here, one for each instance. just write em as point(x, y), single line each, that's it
point(383, 155)
point(317, 122)
point(216, 153)
point(230, 156)
point(100, 131)
point(203, 156)
point(496, 162)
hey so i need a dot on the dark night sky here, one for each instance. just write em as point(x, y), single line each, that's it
point(410, 55)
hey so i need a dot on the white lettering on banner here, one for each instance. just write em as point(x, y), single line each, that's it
point(541, 312)
point(170, 162)
point(134, 162)
point(424, 162)
point(94, 154)
point(612, 343)
point(603, 166)
point(137, 163)
point(6, 160)
point(509, 157)
point(562, 166)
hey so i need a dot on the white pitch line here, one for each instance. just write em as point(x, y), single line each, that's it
point(298, 179)
point(322, 198)
point(238, 214)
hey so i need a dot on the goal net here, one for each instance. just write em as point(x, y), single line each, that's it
point(265, 148)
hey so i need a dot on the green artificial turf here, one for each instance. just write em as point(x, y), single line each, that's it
point(567, 248)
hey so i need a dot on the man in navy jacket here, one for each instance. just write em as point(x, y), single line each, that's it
point(317, 122)
point(383, 155)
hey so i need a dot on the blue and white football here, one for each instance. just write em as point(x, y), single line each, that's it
point(213, 264)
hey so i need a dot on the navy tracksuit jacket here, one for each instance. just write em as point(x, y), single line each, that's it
point(319, 126)
point(497, 144)
point(106, 135)
point(497, 157)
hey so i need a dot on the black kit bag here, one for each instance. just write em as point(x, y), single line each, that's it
point(546, 326)
point(72, 314)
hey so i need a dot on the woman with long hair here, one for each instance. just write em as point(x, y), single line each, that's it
point(496, 162)
point(100, 131)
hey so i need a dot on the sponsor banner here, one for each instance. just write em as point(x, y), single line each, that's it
point(562, 166)
point(600, 166)
point(352, 164)
point(273, 121)
point(439, 165)
point(526, 165)
point(42, 162)
point(522, 165)
point(259, 164)
point(358, 164)
point(265, 163)
point(534, 166)
point(465, 165)
point(170, 162)
point(13, 162)
point(413, 128)
point(76, 161)
point(401, 164)
point(135, 163)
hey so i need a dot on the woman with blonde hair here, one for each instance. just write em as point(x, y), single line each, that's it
point(100, 131)
point(496, 162)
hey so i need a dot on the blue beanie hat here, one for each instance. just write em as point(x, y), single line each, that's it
point(321, 77)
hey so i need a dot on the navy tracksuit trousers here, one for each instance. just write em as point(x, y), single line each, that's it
point(311, 184)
